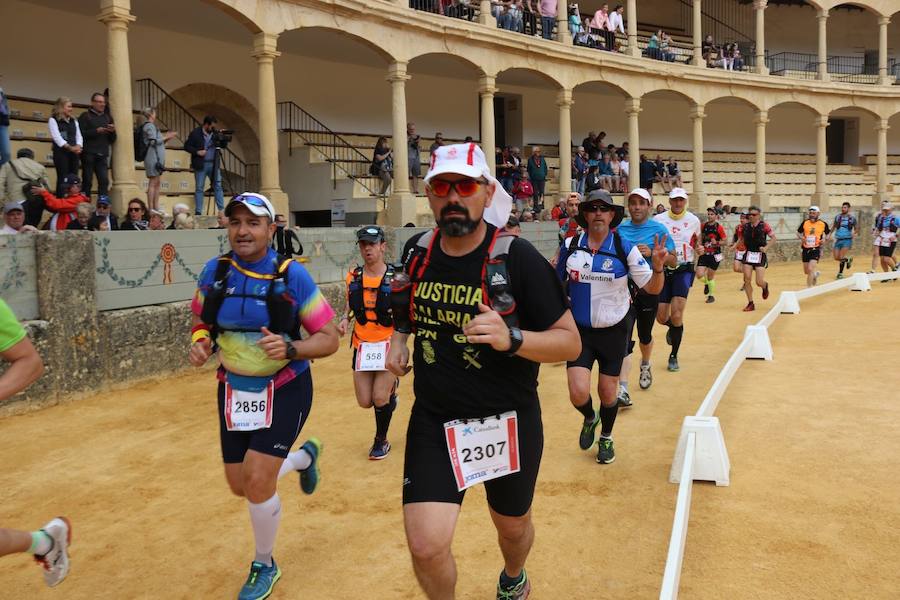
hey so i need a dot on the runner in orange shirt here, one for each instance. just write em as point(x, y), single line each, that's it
point(369, 303)
point(812, 233)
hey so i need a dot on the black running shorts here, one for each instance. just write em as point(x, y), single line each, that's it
point(887, 250)
point(811, 254)
point(607, 345)
point(709, 261)
point(428, 473)
point(644, 308)
point(290, 409)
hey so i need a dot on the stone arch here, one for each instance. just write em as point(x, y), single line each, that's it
point(669, 91)
point(460, 61)
point(531, 73)
point(238, 10)
point(232, 110)
point(741, 99)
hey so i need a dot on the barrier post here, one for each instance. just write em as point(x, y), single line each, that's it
point(790, 305)
point(710, 456)
point(861, 283)
point(760, 345)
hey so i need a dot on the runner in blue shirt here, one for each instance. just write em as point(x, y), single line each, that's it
point(642, 231)
point(845, 228)
point(596, 267)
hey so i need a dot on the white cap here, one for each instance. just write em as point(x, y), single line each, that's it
point(814, 208)
point(642, 193)
point(258, 204)
point(887, 204)
point(180, 208)
point(468, 159)
point(678, 193)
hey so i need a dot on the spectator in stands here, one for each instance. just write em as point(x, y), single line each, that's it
point(62, 208)
point(99, 133)
point(178, 209)
point(584, 37)
point(727, 60)
point(547, 9)
point(737, 59)
point(523, 192)
point(652, 50)
point(601, 24)
point(155, 161)
point(625, 168)
point(19, 171)
point(717, 206)
point(606, 173)
point(710, 52)
point(5, 149)
point(221, 220)
point(622, 151)
point(647, 173)
point(530, 17)
point(673, 174)
point(527, 216)
point(415, 161)
point(575, 26)
point(183, 221)
point(660, 209)
point(82, 217)
point(537, 172)
point(102, 215)
point(157, 221)
point(559, 211)
point(618, 180)
point(507, 167)
point(665, 47)
point(589, 143)
point(67, 141)
point(14, 220)
point(515, 154)
point(660, 174)
point(512, 226)
point(137, 217)
point(201, 144)
point(382, 165)
point(580, 169)
point(616, 21)
point(284, 238)
point(438, 142)
point(593, 181)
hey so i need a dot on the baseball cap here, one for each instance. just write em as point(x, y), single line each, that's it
point(371, 233)
point(678, 193)
point(642, 193)
point(605, 197)
point(11, 206)
point(468, 159)
point(71, 179)
point(814, 208)
point(103, 199)
point(257, 204)
point(887, 204)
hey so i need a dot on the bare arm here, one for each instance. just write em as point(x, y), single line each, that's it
point(322, 343)
point(25, 367)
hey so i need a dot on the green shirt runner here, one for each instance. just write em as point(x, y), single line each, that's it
point(11, 331)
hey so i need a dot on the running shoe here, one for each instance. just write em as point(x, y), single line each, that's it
point(710, 299)
point(606, 452)
point(750, 307)
point(646, 378)
point(766, 292)
point(56, 561)
point(518, 591)
point(623, 400)
point(705, 289)
point(586, 438)
point(816, 277)
point(840, 275)
point(260, 582)
point(380, 449)
point(309, 477)
point(869, 272)
point(849, 262)
point(673, 363)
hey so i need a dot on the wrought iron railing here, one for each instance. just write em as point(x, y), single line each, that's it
point(458, 10)
point(237, 176)
point(848, 69)
point(345, 159)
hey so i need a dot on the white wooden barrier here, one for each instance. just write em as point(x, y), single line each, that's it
point(672, 575)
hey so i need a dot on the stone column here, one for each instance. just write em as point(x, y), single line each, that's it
point(823, 45)
point(883, 76)
point(116, 15)
point(264, 52)
point(485, 17)
point(761, 197)
point(881, 193)
point(820, 197)
point(401, 207)
point(486, 90)
point(631, 24)
point(697, 59)
point(562, 22)
point(564, 102)
point(760, 7)
point(633, 109)
point(698, 196)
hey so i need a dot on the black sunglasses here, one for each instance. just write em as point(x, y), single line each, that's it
point(598, 207)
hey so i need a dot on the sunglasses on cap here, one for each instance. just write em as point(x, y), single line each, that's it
point(464, 187)
point(369, 232)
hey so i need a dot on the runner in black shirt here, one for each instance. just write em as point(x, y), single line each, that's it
point(476, 417)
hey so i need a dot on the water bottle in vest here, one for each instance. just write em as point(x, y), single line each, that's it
point(400, 301)
point(504, 304)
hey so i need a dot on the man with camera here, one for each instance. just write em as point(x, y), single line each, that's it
point(204, 144)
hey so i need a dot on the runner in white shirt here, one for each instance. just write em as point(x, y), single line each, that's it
point(684, 228)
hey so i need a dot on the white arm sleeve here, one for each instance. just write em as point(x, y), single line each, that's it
point(639, 269)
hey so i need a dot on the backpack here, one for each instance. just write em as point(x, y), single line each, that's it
point(140, 144)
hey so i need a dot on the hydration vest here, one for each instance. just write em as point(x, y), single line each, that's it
point(495, 282)
point(882, 223)
point(279, 305)
point(844, 222)
point(572, 248)
point(754, 237)
point(356, 299)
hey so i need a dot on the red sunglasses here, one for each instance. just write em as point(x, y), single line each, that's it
point(464, 187)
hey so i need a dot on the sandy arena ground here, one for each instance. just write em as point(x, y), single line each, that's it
point(811, 511)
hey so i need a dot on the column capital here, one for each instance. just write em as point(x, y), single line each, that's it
point(633, 106)
point(698, 111)
point(116, 14)
point(761, 117)
point(821, 121)
point(487, 85)
point(822, 14)
point(397, 72)
point(760, 4)
point(884, 21)
point(564, 99)
point(265, 46)
point(881, 125)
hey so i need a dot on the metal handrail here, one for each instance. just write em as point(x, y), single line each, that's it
point(337, 151)
point(237, 175)
point(851, 69)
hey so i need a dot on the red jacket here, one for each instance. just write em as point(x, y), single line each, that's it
point(523, 189)
point(62, 209)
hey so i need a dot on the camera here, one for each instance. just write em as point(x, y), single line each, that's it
point(222, 137)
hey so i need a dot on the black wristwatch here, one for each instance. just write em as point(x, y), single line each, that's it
point(291, 351)
point(515, 341)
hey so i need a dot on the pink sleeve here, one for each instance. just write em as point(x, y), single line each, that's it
point(315, 312)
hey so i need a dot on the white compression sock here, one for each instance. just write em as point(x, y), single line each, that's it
point(265, 518)
point(295, 461)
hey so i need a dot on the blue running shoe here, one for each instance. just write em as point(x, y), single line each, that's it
point(309, 477)
point(380, 449)
point(260, 582)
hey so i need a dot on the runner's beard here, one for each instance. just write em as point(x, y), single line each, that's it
point(456, 227)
